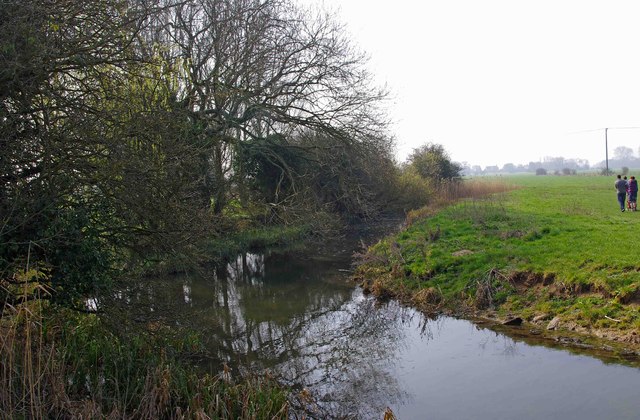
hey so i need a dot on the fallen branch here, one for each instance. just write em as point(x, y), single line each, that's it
point(613, 319)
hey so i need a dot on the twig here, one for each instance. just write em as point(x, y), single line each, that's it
point(613, 319)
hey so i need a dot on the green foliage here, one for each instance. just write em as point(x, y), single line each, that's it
point(267, 237)
point(433, 163)
point(81, 258)
point(413, 190)
point(270, 166)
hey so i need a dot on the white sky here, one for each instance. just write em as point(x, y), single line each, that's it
point(499, 81)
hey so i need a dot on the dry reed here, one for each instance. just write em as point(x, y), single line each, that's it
point(448, 192)
point(25, 362)
point(471, 188)
point(49, 372)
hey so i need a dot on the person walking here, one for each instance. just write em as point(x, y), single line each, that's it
point(624, 178)
point(628, 202)
point(621, 187)
point(633, 193)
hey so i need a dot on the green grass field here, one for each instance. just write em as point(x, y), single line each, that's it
point(554, 245)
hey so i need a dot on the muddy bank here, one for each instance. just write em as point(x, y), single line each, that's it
point(607, 345)
point(616, 345)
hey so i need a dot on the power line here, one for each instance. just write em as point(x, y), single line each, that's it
point(606, 139)
point(604, 128)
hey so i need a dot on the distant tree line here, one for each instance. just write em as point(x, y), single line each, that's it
point(548, 164)
point(621, 157)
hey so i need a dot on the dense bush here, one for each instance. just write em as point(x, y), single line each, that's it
point(541, 171)
point(433, 163)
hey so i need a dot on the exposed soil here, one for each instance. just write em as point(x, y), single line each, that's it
point(607, 344)
point(620, 345)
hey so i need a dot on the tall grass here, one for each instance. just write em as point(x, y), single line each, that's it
point(472, 188)
point(447, 192)
point(25, 363)
point(68, 365)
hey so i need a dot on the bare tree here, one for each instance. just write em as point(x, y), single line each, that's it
point(121, 122)
point(249, 69)
point(623, 153)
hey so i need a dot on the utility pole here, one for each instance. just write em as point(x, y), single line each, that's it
point(606, 149)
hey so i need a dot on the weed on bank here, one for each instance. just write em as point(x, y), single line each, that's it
point(63, 364)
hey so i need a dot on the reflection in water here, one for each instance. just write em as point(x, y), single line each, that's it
point(298, 319)
point(301, 320)
point(345, 357)
point(505, 345)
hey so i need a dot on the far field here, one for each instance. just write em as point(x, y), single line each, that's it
point(554, 246)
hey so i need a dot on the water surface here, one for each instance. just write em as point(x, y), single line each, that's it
point(301, 319)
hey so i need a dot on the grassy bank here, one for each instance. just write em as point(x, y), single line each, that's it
point(553, 250)
point(260, 239)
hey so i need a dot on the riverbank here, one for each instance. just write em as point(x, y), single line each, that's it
point(554, 252)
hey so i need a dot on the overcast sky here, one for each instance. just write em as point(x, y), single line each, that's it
point(498, 81)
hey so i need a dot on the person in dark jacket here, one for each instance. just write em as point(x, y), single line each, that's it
point(621, 188)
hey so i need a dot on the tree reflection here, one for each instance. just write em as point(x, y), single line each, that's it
point(508, 348)
point(302, 321)
point(298, 319)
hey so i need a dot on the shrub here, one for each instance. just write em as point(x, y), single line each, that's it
point(413, 190)
point(432, 162)
point(541, 171)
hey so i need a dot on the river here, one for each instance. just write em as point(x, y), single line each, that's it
point(301, 319)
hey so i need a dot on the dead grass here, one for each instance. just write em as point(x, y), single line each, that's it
point(428, 297)
point(450, 192)
point(25, 363)
point(472, 188)
point(39, 377)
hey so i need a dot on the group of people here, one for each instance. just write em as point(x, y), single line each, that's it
point(627, 191)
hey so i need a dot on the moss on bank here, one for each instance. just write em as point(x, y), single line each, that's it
point(558, 253)
point(264, 238)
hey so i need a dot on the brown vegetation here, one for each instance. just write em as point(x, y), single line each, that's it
point(448, 192)
point(39, 366)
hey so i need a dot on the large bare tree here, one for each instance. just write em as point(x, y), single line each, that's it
point(249, 69)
